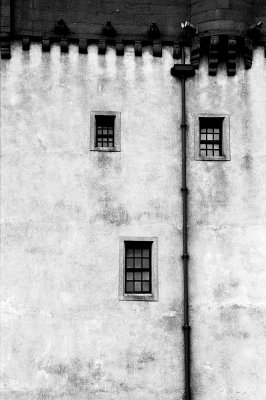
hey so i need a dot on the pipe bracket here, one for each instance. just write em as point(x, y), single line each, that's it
point(185, 256)
point(186, 327)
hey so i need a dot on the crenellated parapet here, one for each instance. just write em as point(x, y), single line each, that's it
point(226, 29)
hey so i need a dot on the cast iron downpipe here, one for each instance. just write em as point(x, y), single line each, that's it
point(183, 71)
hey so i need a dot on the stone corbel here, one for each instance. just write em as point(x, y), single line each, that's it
point(102, 46)
point(26, 43)
point(64, 45)
point(119, 45)
point(45, 44)
point(195, 52)
point(138, 48)
point(213, 55)
point(231, 56)
point(83, 46)
point(5, 46)
point(248, 53)
point(157, 48)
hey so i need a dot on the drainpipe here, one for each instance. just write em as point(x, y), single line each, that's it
point(183, 71)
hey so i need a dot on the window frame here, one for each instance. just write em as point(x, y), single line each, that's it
point(117, 130)
point(154, 295)
point(226, 156)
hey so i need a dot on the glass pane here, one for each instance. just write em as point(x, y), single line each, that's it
point(137, 276)
point(146, 286)
point(137, 286)
point(203, 152)
point(209, 146)
point(216, 137)
point(100, 144)
point(137, 262)
point(216, 130)
point(203, 137)
point(105, 131)
point(145, 253)
point(137, 253)
point(203, 146)
point(130, 276)
point(129, 287)
point(216, 152)
point(129, 262)
point(105, 145)
point(209, 137)
point(129, 252)
point(216, 146)
point(203, 130)
point(209, 130)
point(99, 128)
point(111, 143)
point(145, 263)
point(209, 153)
point(146, 276)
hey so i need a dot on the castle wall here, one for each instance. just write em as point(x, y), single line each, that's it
point(65, 334)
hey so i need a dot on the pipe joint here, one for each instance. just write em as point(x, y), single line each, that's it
point(183, 125)
point(186, 327)
point(185, 256)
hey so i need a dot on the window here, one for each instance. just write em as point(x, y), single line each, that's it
point(105, 125)
point(212, 138)
point(138, 269)
point(105, 131)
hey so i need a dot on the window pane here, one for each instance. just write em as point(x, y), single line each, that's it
point(216, 130)
point(129, 287)
point(137, 253)
point(137, 262)
point(216, 152)
point(137, 286)
point(209, 153)
point(130, 276)
point(216, 146)
point(209, 146)
point(145, 253)
point(209, 137)
point(146, 276)
point(203, 152)
point(203, 130)
point(203, 137)
point(146, 286)
point(209, 130)
point(129, 262)
point(129, 252)
point(216, 137)
point(145, 263)
point(137, 276)
point(203, 146)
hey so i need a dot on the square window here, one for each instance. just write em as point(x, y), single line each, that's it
point(138, 277)
point(212, 137)
point(105, 131)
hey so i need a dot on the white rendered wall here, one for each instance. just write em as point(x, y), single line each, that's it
point(64, 333)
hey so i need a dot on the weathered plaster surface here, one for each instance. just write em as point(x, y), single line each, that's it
point(65, 335)
point(227, 240)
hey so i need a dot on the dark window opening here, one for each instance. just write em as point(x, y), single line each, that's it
point(105, 131)
point(138, 267)
point(211, 137)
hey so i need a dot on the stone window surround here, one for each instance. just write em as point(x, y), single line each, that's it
point(225, 137)
point(154, 296)
point(117, 131)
